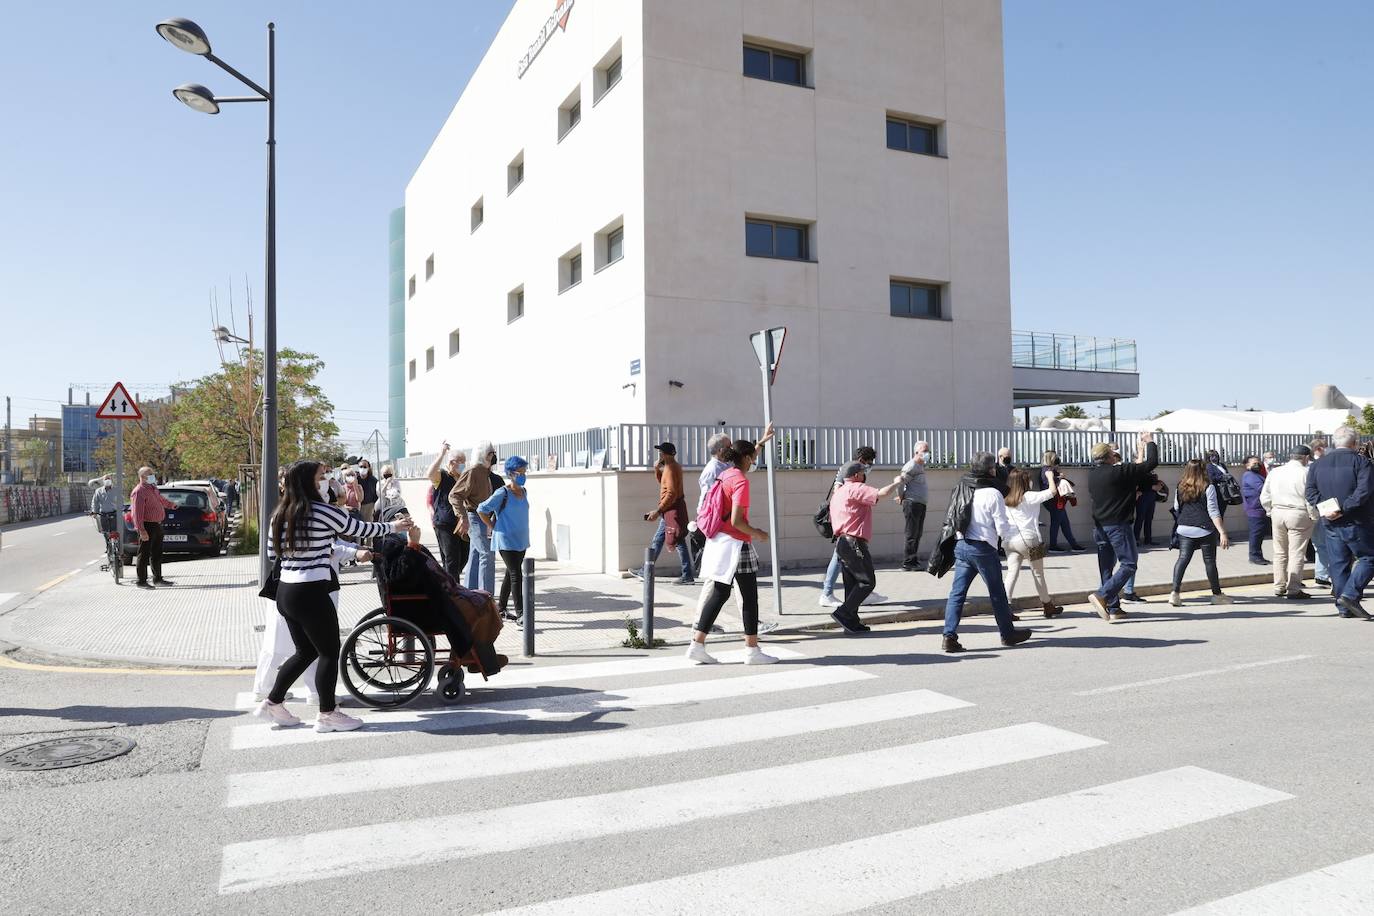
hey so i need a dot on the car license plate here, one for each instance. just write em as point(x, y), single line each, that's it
point(175, 538)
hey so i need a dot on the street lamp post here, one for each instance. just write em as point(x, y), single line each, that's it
point(189, 37)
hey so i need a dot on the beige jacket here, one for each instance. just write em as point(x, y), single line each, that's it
point(1286, 488)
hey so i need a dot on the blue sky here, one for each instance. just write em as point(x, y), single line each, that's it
point(1191, 174)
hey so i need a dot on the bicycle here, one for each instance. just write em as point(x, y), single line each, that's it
point(114, 554)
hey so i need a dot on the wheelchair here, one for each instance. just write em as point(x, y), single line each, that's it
point(388, 659)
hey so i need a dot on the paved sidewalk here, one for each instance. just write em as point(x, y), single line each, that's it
point(214, 617)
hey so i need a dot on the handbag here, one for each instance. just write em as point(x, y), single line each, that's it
point(269, 586)
point(1037, 551)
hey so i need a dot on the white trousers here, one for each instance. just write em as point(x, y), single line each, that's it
point(1018, 552)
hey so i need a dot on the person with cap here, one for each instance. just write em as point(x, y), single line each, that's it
point(1346, 478)
point(851, 515)
point(977, 527)
point(506, 512)
point(867, 456)
point(1114, 485)
point(670, 513)
point(105, 507)
point(1284, 497)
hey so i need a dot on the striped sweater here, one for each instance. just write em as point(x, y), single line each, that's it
point(309, 561)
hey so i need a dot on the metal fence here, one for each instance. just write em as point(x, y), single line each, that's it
point(630, 446)
point(1042, 350)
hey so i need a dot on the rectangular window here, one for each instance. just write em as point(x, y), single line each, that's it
point(453, 342)
point(478, 214)
point(913, 137)
point(429, 267)
point(777, 66)
point(429, 359)
point(606, 73)
point(575, 270)
point(570, 269)
point(609, 244)
point(411, 287)
point(570, 113)
point(615, 245)
point(914, 300)
point(769, 239)
point(412, 370)
point(515, 304)
point(515, 172)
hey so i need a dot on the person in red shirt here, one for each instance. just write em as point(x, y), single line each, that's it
point(148, 508)
point(851, 514)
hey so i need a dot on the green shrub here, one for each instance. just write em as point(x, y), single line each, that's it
point(247, 544)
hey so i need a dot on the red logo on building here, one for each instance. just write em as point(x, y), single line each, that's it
point(566, 7)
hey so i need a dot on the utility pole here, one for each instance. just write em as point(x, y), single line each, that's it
point(7, 439)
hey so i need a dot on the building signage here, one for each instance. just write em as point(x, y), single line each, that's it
point(555, 23)
point(634, 367)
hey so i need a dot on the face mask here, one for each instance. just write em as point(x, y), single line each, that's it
point(362, 472)
point(519, 480)
point(151, 480)
point(324, 490)
point(352, 478)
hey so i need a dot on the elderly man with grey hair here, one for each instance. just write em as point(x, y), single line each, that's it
point(1284, 497)
point(978, 517)
point(1341, 487)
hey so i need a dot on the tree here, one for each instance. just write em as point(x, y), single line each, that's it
point(151, 441)
point(1162, 413)
point(1364, 425)
point(1072, 412)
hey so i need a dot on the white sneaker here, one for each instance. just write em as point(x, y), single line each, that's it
point(336, 722)
point(276, 713)
point(1175, 599)
point(756, 656)
point(1222, 599)
point(829, 601)
point(696, 652)
point(875, 598)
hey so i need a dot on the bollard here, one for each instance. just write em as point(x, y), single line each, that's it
point(528, 609)
point(647, 629)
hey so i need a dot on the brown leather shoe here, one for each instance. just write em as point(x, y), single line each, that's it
point(951, 644)
point(1051, 609)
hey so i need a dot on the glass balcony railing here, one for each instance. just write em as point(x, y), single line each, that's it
point(1043, 350)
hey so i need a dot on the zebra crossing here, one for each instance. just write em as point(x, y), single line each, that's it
point(827, 877)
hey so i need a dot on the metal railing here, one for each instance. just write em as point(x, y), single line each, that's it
point(630, 446)
point(1042, 350)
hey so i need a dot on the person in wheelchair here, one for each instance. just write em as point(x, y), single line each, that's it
point(468, 618)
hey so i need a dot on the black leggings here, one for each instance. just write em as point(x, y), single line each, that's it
point(314, 627)
point(720, 593)
point(514, 580)
point(1186, 547)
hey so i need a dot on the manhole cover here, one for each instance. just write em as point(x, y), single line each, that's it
point(56, 753)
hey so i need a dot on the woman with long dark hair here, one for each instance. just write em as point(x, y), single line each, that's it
point(1199, 528)
point(301, 537)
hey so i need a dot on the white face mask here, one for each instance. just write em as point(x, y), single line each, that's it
point(151, 480)
point(362, 472)
point(324, 490)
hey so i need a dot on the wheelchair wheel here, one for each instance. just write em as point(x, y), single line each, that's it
point(386, 662)
point(448, 684)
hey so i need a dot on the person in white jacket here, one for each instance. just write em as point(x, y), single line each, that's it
point(1025, 545)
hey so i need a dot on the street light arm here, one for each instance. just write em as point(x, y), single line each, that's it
point(221, 99)
point(240, 77)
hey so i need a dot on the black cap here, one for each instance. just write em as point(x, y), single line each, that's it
point(667, 448)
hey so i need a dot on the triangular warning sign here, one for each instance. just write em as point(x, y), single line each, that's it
point(118, 405)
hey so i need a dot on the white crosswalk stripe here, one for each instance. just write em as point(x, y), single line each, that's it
point(1345, 889)
point(883, 869)
point(557, 705)
point(266, 863)
point(452, 766)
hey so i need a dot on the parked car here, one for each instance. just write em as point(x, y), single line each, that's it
point(197, 525)
point(216, 485)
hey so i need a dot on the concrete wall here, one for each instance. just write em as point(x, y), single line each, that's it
point(604, 515)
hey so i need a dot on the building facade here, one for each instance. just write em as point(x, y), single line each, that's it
point(625, 191)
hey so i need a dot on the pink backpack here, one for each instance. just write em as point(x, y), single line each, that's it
point(715, 510)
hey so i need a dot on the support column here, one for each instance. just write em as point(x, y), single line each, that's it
point(1112, 407)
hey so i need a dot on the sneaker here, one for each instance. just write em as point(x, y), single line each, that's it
point(756, 656)
point(1100, 606)
point(911, 567)
point(147, 585)
point(163, 582)
point(1324, 583)
point(1118, 615)
point(1222, 599)
point(336, 722)
point(696, 652)
point(1297, 596)
point(849, 626)
point(1351, 607)
point(1175, 599)
point(765, 626)
point(637, 572)
point(276, 713)
point(829, 601)
point(875, 598)
point(684, 580)
point(1132, 596)
point(1254, 562)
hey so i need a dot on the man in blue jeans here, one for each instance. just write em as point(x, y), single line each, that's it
point(975, 552)
point(1114, 486)
point(1346, 477)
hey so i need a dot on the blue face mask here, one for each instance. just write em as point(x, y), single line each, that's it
point(519, 480)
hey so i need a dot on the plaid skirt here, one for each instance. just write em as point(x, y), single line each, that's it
point(748, 558)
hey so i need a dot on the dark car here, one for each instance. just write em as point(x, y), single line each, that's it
point(197, 525)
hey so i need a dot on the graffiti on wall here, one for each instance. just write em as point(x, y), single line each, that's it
point(19, 503)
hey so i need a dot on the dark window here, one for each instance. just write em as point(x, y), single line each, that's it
point(615, 245)
point(429, 267)
point(478, 214)
point(454, 342)
point(411, 288)
point(575, 269)
point(912, 137)
point(429, 359)
point(613, 73)
point(574, 115)
point(914, 300)
point(778, 66)
point(515, 305)
point(412, 370)
point(764, 239)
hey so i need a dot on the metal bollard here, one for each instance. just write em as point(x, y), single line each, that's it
point(528, 609)
point(647, 627)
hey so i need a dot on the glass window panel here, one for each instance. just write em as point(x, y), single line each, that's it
point(613, 73)
point(615, 245)
point(574, 115)
point(757, 64)
point(575, 270)
point(922, 139)
point(900, 299)
point(789, 242)
point(758, 238)
point(787, 69)
point(925, 301)
point(896, 135)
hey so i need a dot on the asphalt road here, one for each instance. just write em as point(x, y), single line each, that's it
point(40, 553)
point(1174, 759)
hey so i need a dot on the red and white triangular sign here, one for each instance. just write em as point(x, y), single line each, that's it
point(118, 405)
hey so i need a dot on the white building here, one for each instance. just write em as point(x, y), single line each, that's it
point(1328, 410)
point(625, 190)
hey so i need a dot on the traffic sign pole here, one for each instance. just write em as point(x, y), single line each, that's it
point(119, 487)
point(767, 368)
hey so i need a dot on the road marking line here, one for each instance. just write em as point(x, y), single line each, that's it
point(7, 662)
point(1347, 887)
point(6, 596)
point(454, 766)
point(95, 561)
point(51, 582)
point(58, 534)
point(1190, 675)
point(377, 847)
point(556, 706)
point(891, 867)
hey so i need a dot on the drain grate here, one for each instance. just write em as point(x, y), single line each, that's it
point(57, 753)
